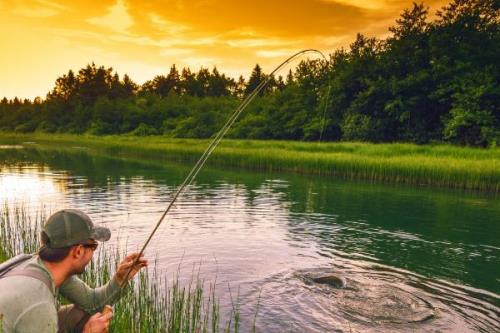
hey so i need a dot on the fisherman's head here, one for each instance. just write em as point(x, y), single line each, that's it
point(69, 235)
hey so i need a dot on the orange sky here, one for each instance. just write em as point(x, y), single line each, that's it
point(42, 39)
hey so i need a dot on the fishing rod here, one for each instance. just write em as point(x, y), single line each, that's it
point(215, 141)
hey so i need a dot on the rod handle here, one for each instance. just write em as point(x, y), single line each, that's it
point(107, 309)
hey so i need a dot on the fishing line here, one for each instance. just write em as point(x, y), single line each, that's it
point(218, 137)
point(323, 118)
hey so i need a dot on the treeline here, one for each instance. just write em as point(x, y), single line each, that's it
point(429, 81)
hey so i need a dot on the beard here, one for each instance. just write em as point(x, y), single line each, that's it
point(80, 268)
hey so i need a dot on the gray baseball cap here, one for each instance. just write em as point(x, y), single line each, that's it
point(69, 227)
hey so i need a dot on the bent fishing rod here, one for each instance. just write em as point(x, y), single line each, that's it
point(215, 141)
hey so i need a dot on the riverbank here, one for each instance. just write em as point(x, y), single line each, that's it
point(427, 165)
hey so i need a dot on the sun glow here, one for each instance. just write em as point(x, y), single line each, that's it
point(29, 187)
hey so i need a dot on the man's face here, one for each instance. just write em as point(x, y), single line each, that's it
point(87, 251)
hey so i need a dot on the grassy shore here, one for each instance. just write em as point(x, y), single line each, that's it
point(432, 165)
point(151, 303)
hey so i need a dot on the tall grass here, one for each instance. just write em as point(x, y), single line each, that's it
point(434, 165)
point(150, 304)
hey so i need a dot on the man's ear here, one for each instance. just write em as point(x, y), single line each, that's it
point(76, 251)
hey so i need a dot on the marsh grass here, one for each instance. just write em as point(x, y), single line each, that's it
point(432, 165)
point(150, 304)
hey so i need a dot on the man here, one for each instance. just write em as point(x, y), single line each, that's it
point(28, 291)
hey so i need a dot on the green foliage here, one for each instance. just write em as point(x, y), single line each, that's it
point(144, 130)
point(357, 127)
point(471, 120)
point(428, 81)
point(435, 165)
point(47, 127)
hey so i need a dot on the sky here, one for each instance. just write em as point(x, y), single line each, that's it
point(43, 39)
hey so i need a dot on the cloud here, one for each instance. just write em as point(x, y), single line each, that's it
point(175, 52)
point(257, 42)
point(117, 19)
point(35, 8)
point(197, 62)
point(52, 4)
point(281, 53)
point(169, 27)
point(292, 19)
point(143, 38)
point(372, 5)
point(333, 42)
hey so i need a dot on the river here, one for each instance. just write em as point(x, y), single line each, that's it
point(413, 258)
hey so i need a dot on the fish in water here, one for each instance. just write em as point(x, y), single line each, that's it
point(332, 280)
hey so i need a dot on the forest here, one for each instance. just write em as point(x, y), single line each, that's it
point(429, 81)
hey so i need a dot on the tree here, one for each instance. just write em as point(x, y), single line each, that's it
point(65, 87)
point(189, 85)
point(106, 117)
point(202, 77)
point(240, 86)
point(129, 87)
point(474, 118)
point(219, 85)
point(93, 82)
point(428, 81)
point(255, 79)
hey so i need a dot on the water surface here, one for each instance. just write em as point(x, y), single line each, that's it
point(405, 252)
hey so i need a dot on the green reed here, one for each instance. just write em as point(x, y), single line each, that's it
point(150, 304)
point(433, 165)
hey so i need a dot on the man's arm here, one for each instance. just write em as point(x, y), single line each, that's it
point(92, 300)
point(89, 299)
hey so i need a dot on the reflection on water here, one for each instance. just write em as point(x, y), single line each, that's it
point(27, 185)
point(414, 259)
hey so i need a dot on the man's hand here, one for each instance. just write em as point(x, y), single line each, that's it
point(125, 265)
point(98, 323)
